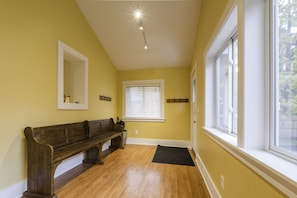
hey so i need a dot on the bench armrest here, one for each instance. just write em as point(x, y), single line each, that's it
point(33, 144)
point(118, 127)
point(39, 164)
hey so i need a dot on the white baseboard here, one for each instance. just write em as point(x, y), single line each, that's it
point(14, 191)
point(74, 161)
point(145, 141)
point(69, 164)
point(212, 189)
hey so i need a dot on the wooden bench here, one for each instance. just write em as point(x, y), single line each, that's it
point(48, 146)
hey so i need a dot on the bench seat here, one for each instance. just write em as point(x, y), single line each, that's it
point(65, 152)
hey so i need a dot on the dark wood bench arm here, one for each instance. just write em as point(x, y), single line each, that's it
point(40, 166)
point(118, 127)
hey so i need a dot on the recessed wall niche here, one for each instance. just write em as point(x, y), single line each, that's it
point(72, 78)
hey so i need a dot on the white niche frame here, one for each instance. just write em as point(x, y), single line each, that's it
point(79, 81)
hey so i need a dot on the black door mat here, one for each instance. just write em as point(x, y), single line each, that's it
point(173, 155)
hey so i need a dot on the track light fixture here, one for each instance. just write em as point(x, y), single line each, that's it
point(143, 34)
point(138, 16)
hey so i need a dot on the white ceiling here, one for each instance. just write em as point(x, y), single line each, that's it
point(169, 27)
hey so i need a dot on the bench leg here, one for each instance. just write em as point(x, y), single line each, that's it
point(40, 182)
point(94, 155)
point(117, 142)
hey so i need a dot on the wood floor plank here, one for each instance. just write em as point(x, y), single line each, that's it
point(130, 173)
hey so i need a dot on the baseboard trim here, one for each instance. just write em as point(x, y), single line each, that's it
point(15, 190)
point(212, 189)
point(145, 141)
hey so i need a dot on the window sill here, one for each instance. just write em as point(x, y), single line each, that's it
point(279, 172)
point(143, 120)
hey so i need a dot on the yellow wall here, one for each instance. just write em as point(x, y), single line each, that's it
point(240, 181)
point(177, 115)
point(28, 77)
point(28, 84)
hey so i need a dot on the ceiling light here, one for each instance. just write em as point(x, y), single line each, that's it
point(140, 25)
point(145, 46)
point(137, 14)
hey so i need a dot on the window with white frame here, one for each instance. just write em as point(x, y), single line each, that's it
point(226, 87)
point(284, 78)
point(143, 100)
point(267, 94)
point(221, 91)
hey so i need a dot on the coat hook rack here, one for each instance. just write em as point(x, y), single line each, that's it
point(105, 98)
point(177, 100)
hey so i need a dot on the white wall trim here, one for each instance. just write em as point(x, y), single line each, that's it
point(211, 187)
point(145, 141)
point(15, 190)
point(80, 82)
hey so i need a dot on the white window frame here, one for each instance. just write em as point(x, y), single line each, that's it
point(218, 42)
point(231, 126)
point(251, 146)
point(141, 83)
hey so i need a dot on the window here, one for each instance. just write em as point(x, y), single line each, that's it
point(221, 82)
point(226, 88)
point(284, 78)
point(143, 100)
point(265, 94)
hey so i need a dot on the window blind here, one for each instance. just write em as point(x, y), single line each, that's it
point(143, 101)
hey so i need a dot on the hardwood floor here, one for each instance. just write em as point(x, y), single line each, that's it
point(130, 173)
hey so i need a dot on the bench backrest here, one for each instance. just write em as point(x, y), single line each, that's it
point(97, 127)
point(61, 135)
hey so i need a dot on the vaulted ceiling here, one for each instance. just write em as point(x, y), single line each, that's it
point(169, 31)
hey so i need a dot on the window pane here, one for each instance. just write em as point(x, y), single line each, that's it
point(235, 86)
point(285, 78)
point(223, 89)
point(227, 86)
